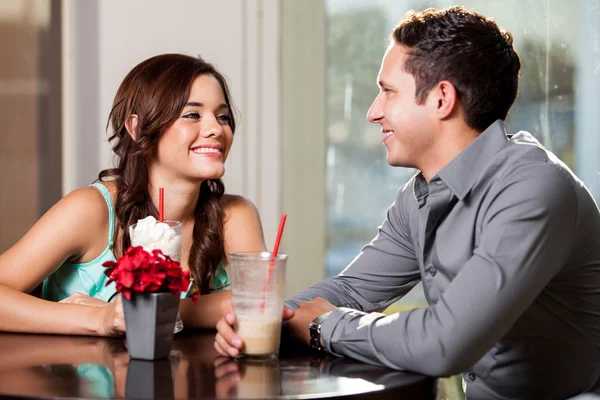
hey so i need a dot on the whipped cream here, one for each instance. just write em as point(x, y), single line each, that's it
point(151, 235)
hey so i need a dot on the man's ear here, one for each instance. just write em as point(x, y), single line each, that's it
point(446, 99)
point(131, 124)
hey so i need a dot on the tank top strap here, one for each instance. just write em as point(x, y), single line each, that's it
point(111, 211)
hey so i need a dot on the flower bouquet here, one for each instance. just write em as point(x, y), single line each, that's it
point(151, 284)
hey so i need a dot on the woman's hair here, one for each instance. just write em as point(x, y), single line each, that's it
point(157, 90)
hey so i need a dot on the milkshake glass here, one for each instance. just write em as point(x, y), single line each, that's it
point(154, 235)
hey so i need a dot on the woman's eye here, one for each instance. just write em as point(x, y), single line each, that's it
point(192, 115)
point(224, 118)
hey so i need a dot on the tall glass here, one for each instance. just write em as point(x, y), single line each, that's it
point(165, 236)
point(257, 285)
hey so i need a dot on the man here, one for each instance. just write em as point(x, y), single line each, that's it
point(505, 239)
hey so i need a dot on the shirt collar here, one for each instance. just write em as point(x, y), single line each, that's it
point(464, 170)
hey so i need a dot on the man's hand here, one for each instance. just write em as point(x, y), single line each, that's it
point(227, 343)
point(306, 312)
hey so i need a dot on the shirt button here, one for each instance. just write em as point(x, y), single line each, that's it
point(471, 376)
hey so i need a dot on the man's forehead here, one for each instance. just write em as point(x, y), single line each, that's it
point(392, 62)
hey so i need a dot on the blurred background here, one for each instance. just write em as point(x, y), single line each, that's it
point(302, 75)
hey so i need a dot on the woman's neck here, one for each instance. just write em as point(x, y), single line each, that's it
point(180, 199)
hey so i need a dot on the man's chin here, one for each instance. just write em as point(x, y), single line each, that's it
point(399, 162)
point(394, 162)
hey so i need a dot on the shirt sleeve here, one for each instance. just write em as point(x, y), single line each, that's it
point(526, 238)
point(384, 271)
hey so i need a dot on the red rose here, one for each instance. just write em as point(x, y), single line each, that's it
point(141, 272)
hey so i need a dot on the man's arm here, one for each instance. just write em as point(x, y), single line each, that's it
point(527, 236)
point(384, 271)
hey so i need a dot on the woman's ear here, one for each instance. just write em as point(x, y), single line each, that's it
point(131, 124)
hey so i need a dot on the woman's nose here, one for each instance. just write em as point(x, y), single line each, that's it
point(211, 127)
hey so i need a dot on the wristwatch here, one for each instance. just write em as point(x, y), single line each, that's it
point(315, 331)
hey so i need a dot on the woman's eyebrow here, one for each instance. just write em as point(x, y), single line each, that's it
point(198, 104)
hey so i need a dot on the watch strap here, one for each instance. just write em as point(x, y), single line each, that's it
point(315, 331)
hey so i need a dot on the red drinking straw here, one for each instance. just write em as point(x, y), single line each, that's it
point(161, 204)
point(277, 240)
point(272, 260)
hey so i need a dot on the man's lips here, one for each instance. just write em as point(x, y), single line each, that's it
point(388, 135)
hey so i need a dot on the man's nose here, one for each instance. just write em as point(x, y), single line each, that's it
point(375, 113)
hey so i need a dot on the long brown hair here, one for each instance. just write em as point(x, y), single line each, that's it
point(156, 90)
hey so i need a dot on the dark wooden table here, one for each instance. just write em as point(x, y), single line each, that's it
point(46, 366)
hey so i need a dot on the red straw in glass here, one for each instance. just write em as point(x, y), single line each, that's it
point(161, 204)
point(272, 260)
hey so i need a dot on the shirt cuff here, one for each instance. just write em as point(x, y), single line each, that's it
point(329, 325)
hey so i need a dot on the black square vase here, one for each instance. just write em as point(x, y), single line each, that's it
point(150, 321)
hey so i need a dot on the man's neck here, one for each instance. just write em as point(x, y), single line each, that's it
point(452, 140)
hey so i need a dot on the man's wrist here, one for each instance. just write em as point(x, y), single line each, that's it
point(316, 341)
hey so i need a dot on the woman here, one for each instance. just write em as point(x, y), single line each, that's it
point(173, 127)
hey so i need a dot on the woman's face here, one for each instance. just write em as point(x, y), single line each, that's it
point(196, 145)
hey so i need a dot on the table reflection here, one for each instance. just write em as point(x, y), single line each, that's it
point(87, 367)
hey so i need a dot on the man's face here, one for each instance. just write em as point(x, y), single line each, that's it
point(407, 126)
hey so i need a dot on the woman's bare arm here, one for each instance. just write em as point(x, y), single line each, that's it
point(75, 229)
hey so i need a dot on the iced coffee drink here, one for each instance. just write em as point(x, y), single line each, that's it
point(259, 337)
point(257, 284)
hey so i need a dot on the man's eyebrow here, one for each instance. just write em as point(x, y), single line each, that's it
point(382, 83)
point(198, 104)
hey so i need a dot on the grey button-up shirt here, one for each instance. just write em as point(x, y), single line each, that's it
point(506, 241)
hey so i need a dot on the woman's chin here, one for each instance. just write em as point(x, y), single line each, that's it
point(204, 176)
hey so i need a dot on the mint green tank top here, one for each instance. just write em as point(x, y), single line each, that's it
point(88, 278)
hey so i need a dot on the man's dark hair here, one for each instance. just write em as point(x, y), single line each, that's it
point(467, 49)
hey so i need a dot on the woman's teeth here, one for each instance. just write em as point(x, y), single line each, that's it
point(206, 150)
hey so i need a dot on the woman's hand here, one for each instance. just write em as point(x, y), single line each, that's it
point(80, 298)
point(111, 318)
point(227, 343)
point(227, 377)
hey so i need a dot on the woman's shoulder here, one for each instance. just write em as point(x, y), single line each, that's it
point(87, 204)
point(111, 188)
point(242, 226)
point(234, 204)
point(77, 219)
